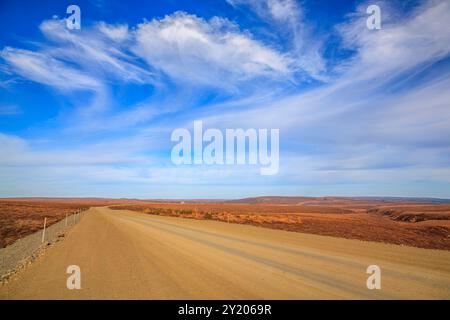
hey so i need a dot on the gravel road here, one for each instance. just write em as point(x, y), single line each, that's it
point(129, 255)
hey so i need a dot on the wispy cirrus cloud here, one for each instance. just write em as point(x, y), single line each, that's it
point(100, 51)
point(378, 122)
point(194, 51)
point(379, 115)
point(184, 47)
point(404, 43)
point(286, 16)
point(38, 67)
point(180, 49)
point(118, 33)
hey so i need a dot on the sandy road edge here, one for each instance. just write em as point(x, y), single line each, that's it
point(27, 250)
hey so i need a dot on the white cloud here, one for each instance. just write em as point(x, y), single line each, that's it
point(114, 32)
point(194, 51)
point(403, 43)
point(363, 121)
point(364, 126)
point(21, 152)
point(100, 51)
point(43, 69)
point(188, 49)
point(131, 117)
point(286, 16)
point(279, 10)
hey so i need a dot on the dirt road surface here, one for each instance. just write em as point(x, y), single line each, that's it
point(128, 255)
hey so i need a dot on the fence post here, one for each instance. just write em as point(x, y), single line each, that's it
point(43, 231)
point(66, 219)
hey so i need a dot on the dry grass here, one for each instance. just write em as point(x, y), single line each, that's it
point(413, 224)
point(20, 217)
point(426, 226)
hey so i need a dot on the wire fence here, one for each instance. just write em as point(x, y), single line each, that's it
point(26, 249)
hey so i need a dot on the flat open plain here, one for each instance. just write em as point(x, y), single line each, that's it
point(130, 255)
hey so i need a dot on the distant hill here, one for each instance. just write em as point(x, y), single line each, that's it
point(329, 200)
point(275, 200)
point(284, 200)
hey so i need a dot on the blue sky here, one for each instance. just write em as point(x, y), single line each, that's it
point(90, 112)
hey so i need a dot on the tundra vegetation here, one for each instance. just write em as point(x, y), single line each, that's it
point(404, 222)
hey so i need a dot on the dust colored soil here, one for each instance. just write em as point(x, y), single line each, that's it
point(413, 224)
point(20, 217)
point(131, 255)
point(398, 221)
